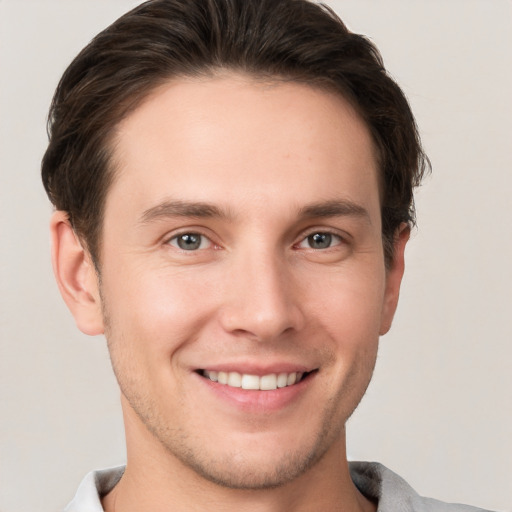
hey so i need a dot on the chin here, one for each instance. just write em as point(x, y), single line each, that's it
point(237, 471)
point(256, 462)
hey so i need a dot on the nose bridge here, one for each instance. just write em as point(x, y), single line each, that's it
point(262, 298)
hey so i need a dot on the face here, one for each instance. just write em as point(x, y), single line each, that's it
point(242, 275)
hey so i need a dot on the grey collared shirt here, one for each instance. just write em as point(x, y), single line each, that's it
point(376, 482)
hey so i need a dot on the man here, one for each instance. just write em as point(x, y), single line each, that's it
point(233, 190)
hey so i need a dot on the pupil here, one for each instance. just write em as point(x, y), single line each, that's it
point(189, 241)
point(320, 240)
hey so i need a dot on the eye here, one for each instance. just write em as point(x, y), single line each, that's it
point(320, 240)
point(190, 241)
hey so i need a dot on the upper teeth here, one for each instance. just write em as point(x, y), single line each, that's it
point(246, 381)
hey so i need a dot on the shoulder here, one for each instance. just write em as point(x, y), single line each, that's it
point(95, 485)
point(394, 494)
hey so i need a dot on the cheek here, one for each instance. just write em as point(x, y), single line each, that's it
point(350, 305)
point(156, 311)
point(149, 319)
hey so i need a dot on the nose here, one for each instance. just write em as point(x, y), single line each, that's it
point(262, 300)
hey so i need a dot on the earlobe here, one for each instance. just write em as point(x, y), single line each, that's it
point(76, 276)
point(394, 278)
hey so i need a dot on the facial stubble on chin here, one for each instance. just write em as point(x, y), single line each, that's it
point(235, 470)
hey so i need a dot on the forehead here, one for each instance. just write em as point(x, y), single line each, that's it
point(233, 139)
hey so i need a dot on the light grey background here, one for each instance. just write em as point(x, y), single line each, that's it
point(439, 408)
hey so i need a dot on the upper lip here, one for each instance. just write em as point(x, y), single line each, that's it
point(251, 368)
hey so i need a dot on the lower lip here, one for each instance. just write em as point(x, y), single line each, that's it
point(255, 401)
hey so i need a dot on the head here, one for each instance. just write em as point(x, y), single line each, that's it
point(280, 41)
point(233, 182)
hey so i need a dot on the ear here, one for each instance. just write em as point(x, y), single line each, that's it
point(394, 278)
point(76, 276)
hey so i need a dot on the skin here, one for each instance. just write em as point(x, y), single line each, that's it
point(275, 163)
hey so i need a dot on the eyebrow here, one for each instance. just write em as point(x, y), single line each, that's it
point(169, 209)
point(175, 208)
point(335, 208)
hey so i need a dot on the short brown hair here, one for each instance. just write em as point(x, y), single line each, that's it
point(278, 39)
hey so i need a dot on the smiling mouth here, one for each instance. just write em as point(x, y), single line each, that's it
point(268, 382)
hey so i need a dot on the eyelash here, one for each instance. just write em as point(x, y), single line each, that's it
point(191, 234)
point(330, 236)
